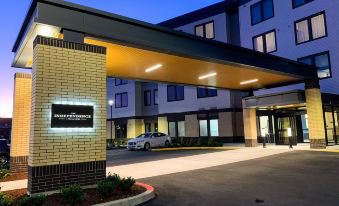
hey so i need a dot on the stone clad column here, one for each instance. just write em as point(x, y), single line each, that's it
point(250, 126)
point(21, 122)
point(315, 115)
point(66, 73)
point(191, 125)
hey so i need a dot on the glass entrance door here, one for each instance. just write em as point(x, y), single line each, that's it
point(286, 128)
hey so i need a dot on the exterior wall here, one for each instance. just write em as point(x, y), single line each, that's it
point(283, 23)
point(62, 75)
point(162, 125)
point(220, 22)
point(191, 126)
point(226, 124)
point(191, 102)
point(21, 122)
point(152, 109)
point(135, 127)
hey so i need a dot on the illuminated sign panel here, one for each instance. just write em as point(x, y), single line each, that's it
point(72, 116)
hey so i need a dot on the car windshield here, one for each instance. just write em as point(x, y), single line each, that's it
point(145, 135)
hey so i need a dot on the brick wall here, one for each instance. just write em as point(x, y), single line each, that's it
point(21, 122)
point(66, 73)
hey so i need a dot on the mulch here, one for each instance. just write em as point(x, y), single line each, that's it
point(15, 176)
point(92, 197)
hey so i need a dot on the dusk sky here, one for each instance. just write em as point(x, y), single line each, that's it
point(13, 12)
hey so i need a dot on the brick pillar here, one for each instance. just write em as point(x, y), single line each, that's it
point(315, 114)
point(191, 125)
point(250, 126)
point(162, 125)
point(70, 74)
point(21, 122)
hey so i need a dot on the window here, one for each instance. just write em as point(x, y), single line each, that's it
point(156, 98)
point(119, 82)
point(214, 128)
point(147, 98)
point(297, 3)
point(175, 93)
point(310, 28)
point(265, 42)
point(205, 30)
point(205, 92)
point(121, 100)
point(262, 11)
point(321, 61)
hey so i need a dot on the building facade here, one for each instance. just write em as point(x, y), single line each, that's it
point(298, 30)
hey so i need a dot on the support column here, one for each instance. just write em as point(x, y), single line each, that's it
point(315, 114)
point(162, 125)
point(191, 126)
point(21, 122)
point(69, 75)
point(250, 126)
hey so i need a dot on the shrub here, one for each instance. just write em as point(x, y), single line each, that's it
point(4, 173)
point(126, 183)
point(5, 200)
point(115, 178)
point(72, 194)
point(106, 187)
point(38, 200)
point(213, 143)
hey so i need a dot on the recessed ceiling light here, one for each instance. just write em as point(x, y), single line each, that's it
point(249, 81)
point(208, 75)
point(153, 68)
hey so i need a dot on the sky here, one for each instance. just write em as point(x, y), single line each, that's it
point(12, 14)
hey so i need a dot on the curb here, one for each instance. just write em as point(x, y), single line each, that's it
point(194, 148)
point(136, 200)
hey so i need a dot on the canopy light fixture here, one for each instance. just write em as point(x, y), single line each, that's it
point(207, 75)
point(153, 68)
point(249, 81)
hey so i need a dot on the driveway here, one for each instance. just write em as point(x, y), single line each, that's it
point(294, 178)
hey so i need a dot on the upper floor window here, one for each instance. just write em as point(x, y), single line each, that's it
point(321, 61)
point(147, 98)
point(205, 92)
point(310, 28)
point(262, 11)
point(297, 3)
point(120, 82)
point(121, 100)
point(265, 42)
point(156, 98)
point(205, 30)
point(175, 93)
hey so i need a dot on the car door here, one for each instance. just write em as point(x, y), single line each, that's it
point(154, 140)
point(161, 139)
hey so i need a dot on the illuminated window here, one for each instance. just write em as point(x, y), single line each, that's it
point(265, 43)
point(205, 30)
point(310, 28)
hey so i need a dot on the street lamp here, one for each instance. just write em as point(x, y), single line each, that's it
point(111, 102)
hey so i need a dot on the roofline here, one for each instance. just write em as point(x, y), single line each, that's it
point(203, 13)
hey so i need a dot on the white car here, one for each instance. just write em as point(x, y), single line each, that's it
point(149, 140)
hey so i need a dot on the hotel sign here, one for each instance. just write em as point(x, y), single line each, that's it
point(72, 116)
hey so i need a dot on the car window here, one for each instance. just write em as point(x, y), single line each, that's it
point(155, 135)
point(161, 134)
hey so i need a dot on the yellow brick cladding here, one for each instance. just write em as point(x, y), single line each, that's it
point(67, 76)
point(21, 115)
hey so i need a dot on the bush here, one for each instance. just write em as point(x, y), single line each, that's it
point(4, 173)
point(115, 178)
point(38, 200)
point(213, 143)
point(5, 200)
point(126, 183)
point(106, 187)
point(72, 194)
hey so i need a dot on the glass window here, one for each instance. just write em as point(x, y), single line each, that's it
point(310, 28)
point(175, 93)
point(203, 128)
point(181, 128)
point(119, 82)
point(147, 98)
point(121, 100)
point(262, 11)
point(214, 127)
point(156, 98)
point(297, 3)
point(321, 61)
point(265, 42)
point(205, 92)
point(205, 30)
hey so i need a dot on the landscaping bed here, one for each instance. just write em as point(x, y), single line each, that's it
point(110, 189)
point(13, 177)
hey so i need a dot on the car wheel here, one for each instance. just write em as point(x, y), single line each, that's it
point(167, 143)
point(147, 146)
point(4, 160)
